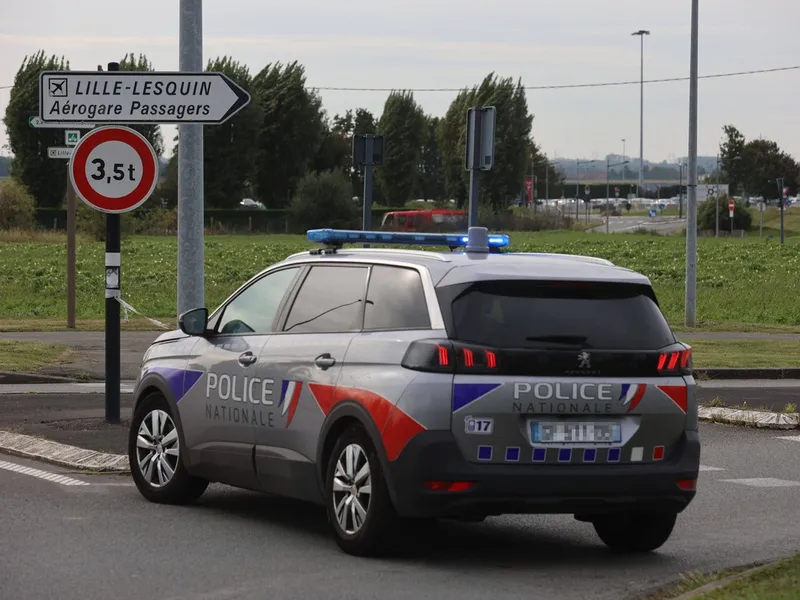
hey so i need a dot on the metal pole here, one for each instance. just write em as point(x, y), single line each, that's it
point(366, 221)
point(533, 186)
point(680, 191)
point(691, 208)
point(716, 198)
point(577, 190)
point(191, 293)
point(761, 222)
point(546, 188)
point(780, 200)
point(113, 285)
point(71, 209)
point(641, 118)
point(474, 173)
point(608, 193)
point(623, 160)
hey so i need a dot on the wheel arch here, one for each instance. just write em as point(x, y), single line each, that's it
point(344, 415)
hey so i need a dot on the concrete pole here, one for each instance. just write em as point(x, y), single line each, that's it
point(191, 293)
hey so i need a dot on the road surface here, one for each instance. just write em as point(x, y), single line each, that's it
point(623, 224)
point(102, 540)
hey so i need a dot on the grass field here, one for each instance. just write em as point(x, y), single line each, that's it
point(741, 283)
point(30, 356)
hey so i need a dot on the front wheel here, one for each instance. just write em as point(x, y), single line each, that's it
point(635, 533)
point(356, 498)
point(154, 452)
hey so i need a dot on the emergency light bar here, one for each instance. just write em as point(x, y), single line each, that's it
point(476, 240)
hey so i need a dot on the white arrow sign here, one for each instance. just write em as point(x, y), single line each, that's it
point(138, 97)
point(60, 152)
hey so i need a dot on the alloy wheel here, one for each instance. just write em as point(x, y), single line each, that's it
point(352, 489)
point(157, 448)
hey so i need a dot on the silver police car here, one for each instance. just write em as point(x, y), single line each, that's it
point(393, 385)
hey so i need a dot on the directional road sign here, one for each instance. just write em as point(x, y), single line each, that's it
point(60, 152)
point(114, 169)
point(37, 123)
point(138, 97)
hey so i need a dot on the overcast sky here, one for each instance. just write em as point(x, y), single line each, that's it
point(455, 43)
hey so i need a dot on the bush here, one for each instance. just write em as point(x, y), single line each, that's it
point(17, 206)
point(324, 200)
point(92, 222)
point(707, 210)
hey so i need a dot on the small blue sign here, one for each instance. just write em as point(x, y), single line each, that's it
point(662, 206)
point(788, 203)
point(653, 213)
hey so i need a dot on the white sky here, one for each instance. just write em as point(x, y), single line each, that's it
point(454, 43)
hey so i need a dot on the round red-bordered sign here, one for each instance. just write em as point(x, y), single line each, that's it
point(114, 169)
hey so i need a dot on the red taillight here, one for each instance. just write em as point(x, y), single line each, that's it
point(469, 361)
point(688, 485)
point(444, 356)
point(677, 362)
point(448, 486)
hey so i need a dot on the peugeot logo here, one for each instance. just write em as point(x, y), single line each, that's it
point(584, 361)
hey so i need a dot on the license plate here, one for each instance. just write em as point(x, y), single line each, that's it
point(577, 432)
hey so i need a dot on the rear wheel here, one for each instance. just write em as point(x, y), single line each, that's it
point(357, 501)
point(154, 451)
point(637, 532)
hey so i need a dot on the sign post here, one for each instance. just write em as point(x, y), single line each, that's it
point(479, 155)
point(783, 193)
point(367, 152)
point(731, 208)
point(113, 170)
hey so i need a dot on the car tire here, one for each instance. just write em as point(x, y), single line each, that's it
point(155, 453)
point(363, 518)
point(635, 533)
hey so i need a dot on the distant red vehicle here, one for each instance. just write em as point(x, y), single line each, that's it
point(424, 220)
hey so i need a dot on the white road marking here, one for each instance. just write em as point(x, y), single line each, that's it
point(791, 438)
point(46, 475)
point(707, 468)
point(764, 482)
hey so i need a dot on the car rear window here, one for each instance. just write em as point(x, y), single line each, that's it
point(528, 314)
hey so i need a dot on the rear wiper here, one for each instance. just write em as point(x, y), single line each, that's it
point(566, 340)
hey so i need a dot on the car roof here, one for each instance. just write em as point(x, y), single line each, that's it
point(452, 268)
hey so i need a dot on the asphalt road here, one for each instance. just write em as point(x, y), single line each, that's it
point(102, 540)
point(623, 224)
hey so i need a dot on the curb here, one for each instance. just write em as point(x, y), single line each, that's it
point(13, 378)
point(28, 446)
point(721, 583)
point(757, 418)
point(758, 373)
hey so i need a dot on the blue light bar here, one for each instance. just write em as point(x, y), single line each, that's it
point(350, 236)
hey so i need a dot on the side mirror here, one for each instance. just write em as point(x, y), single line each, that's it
point(193, 322)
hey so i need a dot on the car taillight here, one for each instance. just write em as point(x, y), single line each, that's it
point(446, 356)
point(675, 362)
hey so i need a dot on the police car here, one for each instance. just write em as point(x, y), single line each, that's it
point(397, 385)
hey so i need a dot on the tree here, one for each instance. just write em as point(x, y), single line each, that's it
point(348, 125)
point(152, 132)
point(731, 157)
point(334, 149)
point(290, 131)
point(430, 183)
point(547, 176)
point(323, 200)
point(511, 151)
point(229, 149)
point(45, 178)
point(707, 215)
point(17, 207)
point(403, 125)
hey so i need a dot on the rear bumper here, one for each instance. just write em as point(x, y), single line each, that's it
point(518, 489)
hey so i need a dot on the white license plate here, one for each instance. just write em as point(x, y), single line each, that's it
point(577, 432)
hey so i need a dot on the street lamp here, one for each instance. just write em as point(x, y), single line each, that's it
point(547, 164)
point(641, 33)
point(680, 189)
point(578, 164)
point(608, 184)
point(623, 158)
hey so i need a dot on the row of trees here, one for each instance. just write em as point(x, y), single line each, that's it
point(285, 134)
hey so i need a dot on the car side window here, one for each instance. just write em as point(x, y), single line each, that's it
point(329, 301)
point(255, 308)
point(395, 300)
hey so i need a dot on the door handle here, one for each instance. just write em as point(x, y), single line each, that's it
point(324, 361)
point(246, 359)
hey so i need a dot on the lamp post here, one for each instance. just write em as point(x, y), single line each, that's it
point(641, 33)
point(608, 184)
point(680, 190)
point(623, 158)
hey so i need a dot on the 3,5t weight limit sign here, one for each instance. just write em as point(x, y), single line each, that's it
point(114, 169)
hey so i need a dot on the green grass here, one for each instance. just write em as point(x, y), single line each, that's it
point(772, 222)
point(30, 356)
point(741, 283)
point(744, 353)
point(777, 582)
